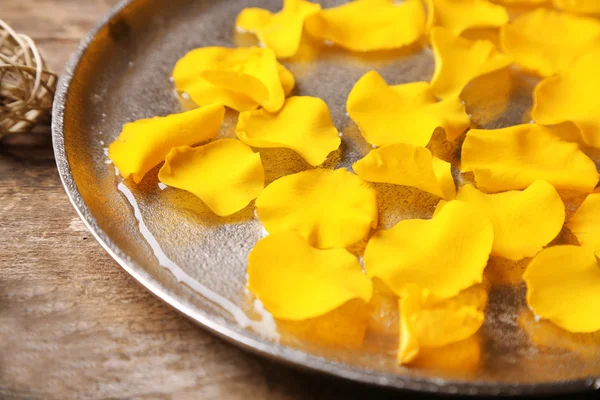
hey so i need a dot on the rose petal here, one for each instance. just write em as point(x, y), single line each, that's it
point(303, 124)
point(329, 208)
point(403, 164)
point(406, 113)
point(460, 15)
point(563, 285)
point(283, 268)
point(445, 254)
point(254, 19)
point(572, 96)
point(546, 42)
point(459, 60)
point(226, 175)
point(585, 224)
point(143, 144)
point(369, 25)
point(524, 222)
point(429, 322)
point(344, 327)
point(523, 2)
point(384, 315)
point(253, 73)
point(578, 6)
point(515, 157)
point(188, 79)
point(463, 356)
point(282, 31)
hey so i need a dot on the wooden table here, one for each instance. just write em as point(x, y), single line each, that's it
point(73, 324)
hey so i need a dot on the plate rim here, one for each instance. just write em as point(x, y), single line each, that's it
point(226, 329)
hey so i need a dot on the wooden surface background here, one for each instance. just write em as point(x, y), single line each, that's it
point(73, 324)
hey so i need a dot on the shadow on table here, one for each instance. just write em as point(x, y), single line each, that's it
point(27, 159)
point(34, 147)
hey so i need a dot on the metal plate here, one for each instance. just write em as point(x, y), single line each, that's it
point(121, 72)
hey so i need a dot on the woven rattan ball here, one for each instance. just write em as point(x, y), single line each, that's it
point(26, 85)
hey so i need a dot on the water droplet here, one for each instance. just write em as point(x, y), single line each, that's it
point(264, 232)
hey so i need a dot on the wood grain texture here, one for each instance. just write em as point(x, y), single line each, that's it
point(73, 324)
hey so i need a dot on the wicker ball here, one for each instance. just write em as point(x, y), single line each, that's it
point(26, 85)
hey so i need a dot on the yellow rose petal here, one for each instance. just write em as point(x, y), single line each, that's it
point(253, 73)
point(253, 19)
point(585, 224)
point(460, 15)
point(226, 175)
point(188, 79)
point(282, 31)
point(463, 357)
point(403, 164)
point(384, 316)
point(287, 79)
point(329, 208)
point(563, 285)
point(572, 96)
point(345, 327)
point(546, 42)
point(186, 75)
point(406, 113)
point(578, 6)
point(445, 254)
point(429, 322)
point(458, 61)
point(515, 157)
point(143, 144)
point(524, 222)
point(303, 124)
point(296, 281)
point(523, 2)
point(369, 25)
